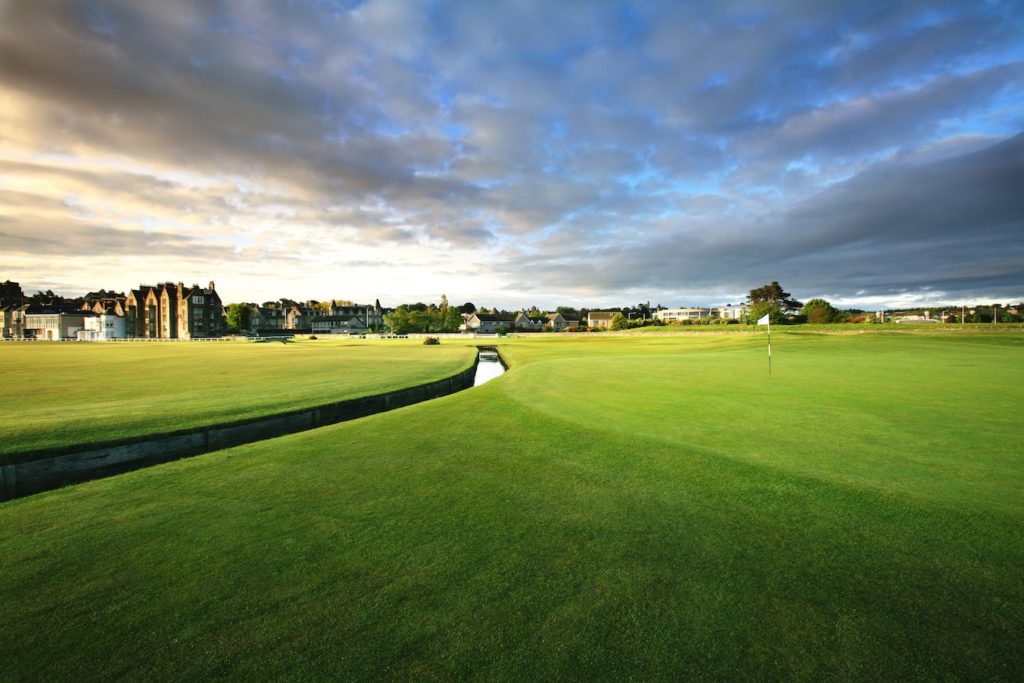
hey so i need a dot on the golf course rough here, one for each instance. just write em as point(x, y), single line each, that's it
point(652, 507)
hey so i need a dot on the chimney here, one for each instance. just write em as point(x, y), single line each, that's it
point(211, 285)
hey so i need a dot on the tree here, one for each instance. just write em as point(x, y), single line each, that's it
point(818, 311)
point(773, 294)
point(398, 320)
point(468, 307)
point(619, 322)
point(570, 312)
point(239, 316)
point(758, 310)
point(452, 321)
point(420, 317)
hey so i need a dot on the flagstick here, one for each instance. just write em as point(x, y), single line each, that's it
point(769, 347)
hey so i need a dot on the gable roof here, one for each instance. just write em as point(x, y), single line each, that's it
point(602, 315)
point(535, 319)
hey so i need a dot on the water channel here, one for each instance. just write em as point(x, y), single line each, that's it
point(489, 367)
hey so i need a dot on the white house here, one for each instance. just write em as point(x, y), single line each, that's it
point(730, 312)
point(102, 327)
point(672, 314)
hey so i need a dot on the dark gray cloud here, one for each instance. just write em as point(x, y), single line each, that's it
point(671, 136)
point(953, 225)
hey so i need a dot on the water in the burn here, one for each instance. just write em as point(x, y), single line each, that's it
point(488, 367)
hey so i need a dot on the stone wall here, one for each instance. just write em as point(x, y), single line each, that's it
point(35, 472)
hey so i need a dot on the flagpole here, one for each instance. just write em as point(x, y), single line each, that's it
point(766, 319)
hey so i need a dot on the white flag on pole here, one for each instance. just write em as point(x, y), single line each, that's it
point(764, 320)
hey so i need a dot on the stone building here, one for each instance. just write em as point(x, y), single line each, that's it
point(104, 302)
point(298, 317)
point(371, 316)
point(173, 311)
point(338, 324)
point(350, 317)
point(272, 315)
point(12, 321)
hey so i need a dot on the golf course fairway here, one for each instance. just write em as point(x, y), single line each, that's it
point(646, 507)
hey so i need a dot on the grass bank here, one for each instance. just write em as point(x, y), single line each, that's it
point(86, 394)
point(648, 507)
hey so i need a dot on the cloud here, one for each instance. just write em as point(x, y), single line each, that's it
point(953, 225)
point(880, 121)
point(537, 140)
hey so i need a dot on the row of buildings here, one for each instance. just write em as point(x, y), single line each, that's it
point(485, 323)
point(170, 311)
point(333, 317)
point(557, 322)
point(163, 311)
point(175, 311)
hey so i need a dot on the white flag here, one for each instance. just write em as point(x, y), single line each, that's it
point(764, 320)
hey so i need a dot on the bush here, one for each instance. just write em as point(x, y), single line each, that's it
point(430, 341)
point(312, 336)
point(818, 312)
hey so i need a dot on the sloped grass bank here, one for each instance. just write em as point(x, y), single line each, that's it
point(655, 509)
point(66, 395)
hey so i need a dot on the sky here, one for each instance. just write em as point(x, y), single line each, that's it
point(516, 153)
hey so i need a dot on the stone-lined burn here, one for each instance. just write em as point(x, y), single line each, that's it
point(34, 472)
point(490, 364)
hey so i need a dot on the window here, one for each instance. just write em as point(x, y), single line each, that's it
point(197, 300)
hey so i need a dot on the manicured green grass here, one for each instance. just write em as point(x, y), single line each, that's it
point(646, 507)
point(71, 394)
